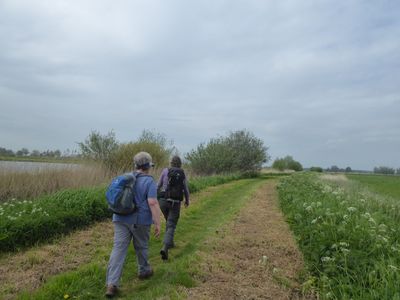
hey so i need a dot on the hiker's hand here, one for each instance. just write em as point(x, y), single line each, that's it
point(186, 203)
point(157, 230)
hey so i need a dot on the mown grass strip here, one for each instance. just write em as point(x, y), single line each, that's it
point(170, 278)
point(350, 238)
point(24, 223)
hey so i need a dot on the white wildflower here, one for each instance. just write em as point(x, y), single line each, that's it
point(327, 259)
point(382, 227)
point(382, 238)
point(308, 208)
point(351, 209)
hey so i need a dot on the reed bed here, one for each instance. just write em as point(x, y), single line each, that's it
point(26, 185)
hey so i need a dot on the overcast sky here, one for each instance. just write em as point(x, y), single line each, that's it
point(318, 80)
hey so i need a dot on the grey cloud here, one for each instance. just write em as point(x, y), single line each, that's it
point(318, 80)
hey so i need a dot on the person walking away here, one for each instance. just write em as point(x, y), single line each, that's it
point(136, 226)
point(172, 187)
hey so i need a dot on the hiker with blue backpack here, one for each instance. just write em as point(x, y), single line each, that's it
point(133, 199)
point(172, 187)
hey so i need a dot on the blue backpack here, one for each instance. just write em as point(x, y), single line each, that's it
point(120, 194)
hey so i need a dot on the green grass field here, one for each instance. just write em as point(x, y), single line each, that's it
point(382, 184)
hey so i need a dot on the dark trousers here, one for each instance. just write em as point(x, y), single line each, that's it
point(171, 211)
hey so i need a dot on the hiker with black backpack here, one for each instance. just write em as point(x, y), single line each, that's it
point(132, 222)
point(172, 188)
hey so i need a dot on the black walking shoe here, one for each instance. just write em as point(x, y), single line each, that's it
point(111, 291)
point(164, 253)
point(146, 274)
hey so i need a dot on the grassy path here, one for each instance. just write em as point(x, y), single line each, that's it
point(205, 216)
point(254, 256)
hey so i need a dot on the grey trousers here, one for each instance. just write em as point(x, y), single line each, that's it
point(171, 212)
point(123, 234)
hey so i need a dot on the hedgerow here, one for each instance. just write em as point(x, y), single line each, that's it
point(24, 223)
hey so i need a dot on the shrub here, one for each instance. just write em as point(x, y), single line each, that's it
point(316, 169)
point(123, 157)
point(117, 157)
point(240, 151)
point(99, 148)
point(287, 163)
point(384, 170)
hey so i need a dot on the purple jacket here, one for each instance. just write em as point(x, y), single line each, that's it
point(163, 182)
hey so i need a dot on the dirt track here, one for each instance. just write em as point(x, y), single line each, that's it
point(254, 257)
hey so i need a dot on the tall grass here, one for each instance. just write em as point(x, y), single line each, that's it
point(350, 237)
point(31, 184)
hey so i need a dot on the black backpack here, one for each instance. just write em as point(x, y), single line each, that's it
point(174, 190)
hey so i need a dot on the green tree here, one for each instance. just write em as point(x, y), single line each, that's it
point(6, 152)
point(384, 170)
point(279, 164)
point(35, 153)
point(99, 147)
point(22, 152)
point(240, 151)
point(156, 144)
point(334, 168)
point(316, 169)
point(287, 163)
